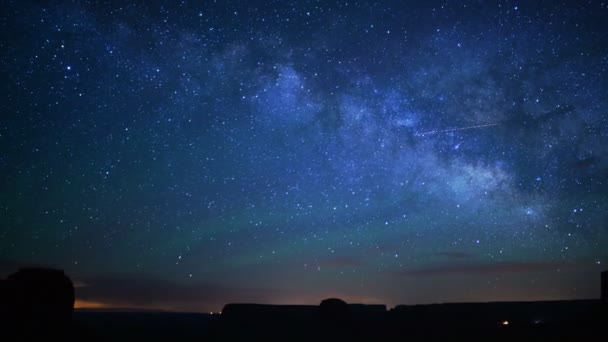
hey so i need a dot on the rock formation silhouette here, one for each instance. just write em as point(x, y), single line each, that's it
point(37, 302)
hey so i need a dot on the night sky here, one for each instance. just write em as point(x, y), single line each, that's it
point(188, 154)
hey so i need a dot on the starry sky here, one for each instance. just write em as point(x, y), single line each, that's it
point(182, 155)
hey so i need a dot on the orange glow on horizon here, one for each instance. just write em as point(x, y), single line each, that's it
point(89, 304)
point(85, 304)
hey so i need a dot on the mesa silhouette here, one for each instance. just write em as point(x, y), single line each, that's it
point(38, 303)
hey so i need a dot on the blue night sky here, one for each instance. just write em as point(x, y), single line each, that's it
point(188, 154)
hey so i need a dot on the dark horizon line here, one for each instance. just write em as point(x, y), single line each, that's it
point(119, 309)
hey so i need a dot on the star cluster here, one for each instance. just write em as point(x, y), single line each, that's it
point(187, 154)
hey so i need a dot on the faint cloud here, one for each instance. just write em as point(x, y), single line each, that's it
point(153, 293)
point(457, 255)
point(340, 262)
point(80, 284)
point(483, 269)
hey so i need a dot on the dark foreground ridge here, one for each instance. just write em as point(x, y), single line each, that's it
point(573, 320)
point(38, 303)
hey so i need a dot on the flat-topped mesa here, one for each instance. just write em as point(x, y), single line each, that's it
point(328, 308)
point(333, 319)
point(37, 302)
